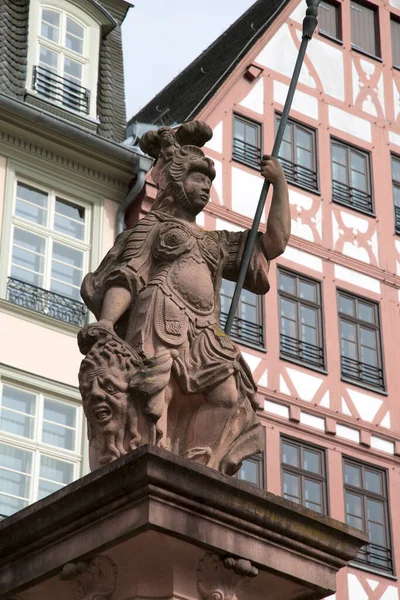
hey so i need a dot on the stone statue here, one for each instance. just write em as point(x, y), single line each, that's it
point(158, 367)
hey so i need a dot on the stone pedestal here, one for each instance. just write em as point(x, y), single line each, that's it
point(152, 525)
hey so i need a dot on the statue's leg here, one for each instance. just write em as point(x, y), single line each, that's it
point(212, 422)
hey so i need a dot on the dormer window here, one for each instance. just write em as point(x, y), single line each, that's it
point(63, 55)
point(60, 73)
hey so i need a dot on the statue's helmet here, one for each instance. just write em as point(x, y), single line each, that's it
point(178, 152)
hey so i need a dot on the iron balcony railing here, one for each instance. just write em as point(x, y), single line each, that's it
point(397, 219)
point(46, 302)
point(61, 90)
point(298, 174)
point(362, 372)
point(303, 351)
point(246, 153)
point(344, 194)
point(245, 331)
point(376, 556)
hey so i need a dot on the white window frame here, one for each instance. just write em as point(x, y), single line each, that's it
point(53, 391)
point(51, 235)
point(64, 186)
point(89, 59)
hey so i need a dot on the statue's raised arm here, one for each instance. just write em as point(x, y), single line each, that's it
point(158, 367)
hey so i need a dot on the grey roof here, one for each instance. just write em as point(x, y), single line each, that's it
point(13, 46)
point(111, 89)
point(14, 16)
point(191, 90)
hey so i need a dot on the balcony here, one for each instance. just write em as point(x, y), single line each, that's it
point(352, 197)
point(59, 90)
point(397, 219)
point(376, 556)
point(46, 302)
point(246, 153)
point(302, 351)
point(245, 331)
point(299, 175)
point(362, 372)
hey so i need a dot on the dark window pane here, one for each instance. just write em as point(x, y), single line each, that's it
point(346, 305)
point(308, 291)
point(249, 472)
point(290, 454)
point(312, 461)
point(328, 19)
point(291, 487)
point(373, 481)
point(312, 493)
point(246, 141)
point(363, 28)
point(395, 31)
point(287, 283)
point(352, 475)
point(396, 169)
point(354, 511)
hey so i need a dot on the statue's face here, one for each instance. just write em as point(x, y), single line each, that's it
point(197, 187)
point(105, 399)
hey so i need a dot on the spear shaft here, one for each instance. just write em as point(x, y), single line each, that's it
point(309, 24)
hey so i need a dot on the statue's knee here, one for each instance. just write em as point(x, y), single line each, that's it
point(224, 395)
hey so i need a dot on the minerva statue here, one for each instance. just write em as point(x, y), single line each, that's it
point(158, 367)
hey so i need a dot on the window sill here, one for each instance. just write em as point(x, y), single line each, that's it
point(359, 210)
point(248, 164)
point(365, 53)
point(38, 318)
point(248, 344)
point(397, 67)
point(87, 121)
point(365, 386)
point(312, 190)
point(301, 363)
point(331, 38)
point(373, 570)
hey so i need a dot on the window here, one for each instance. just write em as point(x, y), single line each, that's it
point(252, 470)
point(63, 55)
point(247, 326)
point(395, 27)
point(351, 177)
point(39, 446)
point(59, 74)
point(300, 311)
point(360, 345)
point(298, 156)
point(364, 28)
point(366, 501)
point(304, 474)
point(396, 191)
point(246, 141)
point(329, 20)
point(49, 253)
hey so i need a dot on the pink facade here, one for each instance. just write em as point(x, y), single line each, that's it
point(354, 99)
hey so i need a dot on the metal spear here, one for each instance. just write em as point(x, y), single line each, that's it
point(309, 24)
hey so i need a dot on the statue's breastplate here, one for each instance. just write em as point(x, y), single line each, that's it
point(188, 276)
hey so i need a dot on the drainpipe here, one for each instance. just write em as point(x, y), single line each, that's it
point(142, 167)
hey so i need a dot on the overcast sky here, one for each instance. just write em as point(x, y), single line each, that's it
point(161, 37)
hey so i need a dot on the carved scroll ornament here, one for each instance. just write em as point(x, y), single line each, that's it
point(223, 579)
point(92, 580)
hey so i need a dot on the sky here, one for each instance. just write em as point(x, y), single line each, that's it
point(161, 37)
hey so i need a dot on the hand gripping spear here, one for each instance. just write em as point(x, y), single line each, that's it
point(309, 24)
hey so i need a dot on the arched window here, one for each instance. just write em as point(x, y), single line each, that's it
point(63, 55)
point(62, 60)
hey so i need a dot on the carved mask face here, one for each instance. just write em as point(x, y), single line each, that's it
point(105, 399)
point(197, 187)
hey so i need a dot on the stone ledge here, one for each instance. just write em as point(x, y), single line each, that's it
point(151, 489)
